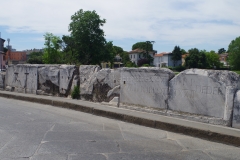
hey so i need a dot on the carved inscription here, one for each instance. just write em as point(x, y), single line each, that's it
point(134, 79)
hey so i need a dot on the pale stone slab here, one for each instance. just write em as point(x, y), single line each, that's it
point(236, 111)
point(22, 78)
point(204, 92)
point(145, 86)
point(49, 79)
point(87, 77)
point(96, 85)
point(2, 80)
point(67, 73)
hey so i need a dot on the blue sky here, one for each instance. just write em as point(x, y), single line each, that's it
point(202, 24)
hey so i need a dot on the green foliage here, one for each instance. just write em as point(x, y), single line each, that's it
point(196, 59)
point(52, 54)
point(130, 64)
point(89, 45)
point(145, 65)
point(35, 58)
point(234, 54)
point(238, 72)
point(125, 57)
point(68, 47)
point(221, 50)
point(75, 93)
point(176, 54)
point(5, 50)
point(117, 50)
point(183, 51)
point(143, 45)
point(212, 60)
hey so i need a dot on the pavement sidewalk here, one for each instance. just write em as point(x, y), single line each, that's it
point(226, 135)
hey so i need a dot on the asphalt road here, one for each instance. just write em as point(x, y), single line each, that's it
point(35, 131)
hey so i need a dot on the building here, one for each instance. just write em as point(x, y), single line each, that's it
point(137, 54)
point(117, 63)
point(223, 58)
point(183, 58)
point(2, 54)
point(16, 57)
point(164, 59)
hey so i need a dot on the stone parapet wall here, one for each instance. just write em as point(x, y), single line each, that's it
point(210, 96)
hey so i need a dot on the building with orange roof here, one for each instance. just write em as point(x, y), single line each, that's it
point(137, 54)
point(164, 59)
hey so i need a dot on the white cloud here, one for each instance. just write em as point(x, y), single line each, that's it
point(181, 22)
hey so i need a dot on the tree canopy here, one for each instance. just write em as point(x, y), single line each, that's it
point(212, 60)
point(52, 49)
point(35, 58)
point(234, 54)
point(196, 59)
point(90, 46)
point(147, 46)
point(176, 54)
point(221, 50)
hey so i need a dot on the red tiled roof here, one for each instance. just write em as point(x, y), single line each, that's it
point(136, 51)
point(184, 55)
point(158, 55)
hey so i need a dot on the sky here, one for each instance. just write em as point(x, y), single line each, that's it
point(202, 24)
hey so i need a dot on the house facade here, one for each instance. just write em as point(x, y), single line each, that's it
point(164, 59)
point(137, 54)
point(2, 54)
point(16, 57)
point(223, 58)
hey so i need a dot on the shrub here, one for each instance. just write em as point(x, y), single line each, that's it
point(145, 65)
point(75, 93)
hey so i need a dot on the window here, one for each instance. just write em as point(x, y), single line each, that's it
point(139, 55)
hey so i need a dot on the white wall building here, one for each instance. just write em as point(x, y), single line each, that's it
point(138, 54)
point(165, 60)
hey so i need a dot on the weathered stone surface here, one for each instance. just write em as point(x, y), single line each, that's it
point(2, 80)
point(67, 73)
point(145, 86)
point(49, 79)
point(236, 111)
point(22, 78)
point(87, 77)
point(75, 82)
point(204, 92)
point(95, 83)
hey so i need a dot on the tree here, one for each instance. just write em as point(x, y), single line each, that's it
point(52, 50)
point(234, 54)
point(212, 60)
point(196, 59)
point(35, 58)
point(147, 46)
point(183, 51)
point(221, 50)
point(68, 47)
point(117, 50)
point(88, 37)
point(176, 54)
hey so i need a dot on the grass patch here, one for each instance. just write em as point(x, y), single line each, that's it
point(238, 72)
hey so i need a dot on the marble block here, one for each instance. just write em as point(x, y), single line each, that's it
point(145, 86)
point(204, 92)
point(236, 111)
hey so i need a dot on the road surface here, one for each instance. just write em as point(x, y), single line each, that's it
point(42, 132)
